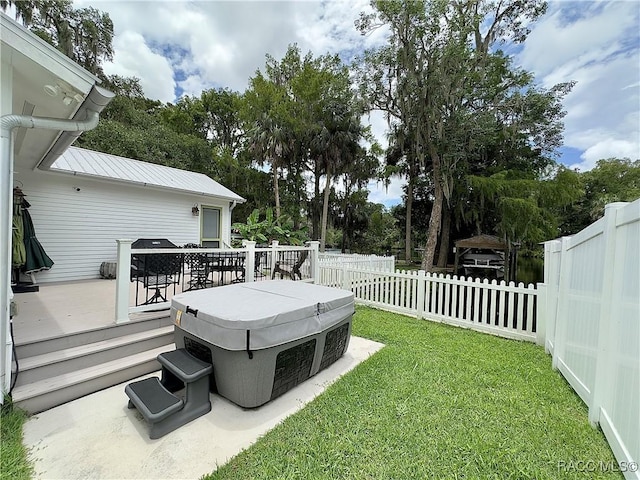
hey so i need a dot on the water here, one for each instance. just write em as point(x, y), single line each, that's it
point(530, 270)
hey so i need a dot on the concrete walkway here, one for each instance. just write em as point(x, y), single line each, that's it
point(97, 437)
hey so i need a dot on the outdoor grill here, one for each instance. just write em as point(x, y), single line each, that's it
point(263, 338)
point(156, 271)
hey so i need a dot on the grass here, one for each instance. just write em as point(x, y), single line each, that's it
point(14, 462)
point(436, 402)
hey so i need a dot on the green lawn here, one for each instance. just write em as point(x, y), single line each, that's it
point(436, 402)
point(14, 464)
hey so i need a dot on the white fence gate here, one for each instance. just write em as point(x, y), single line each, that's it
point(591, 306)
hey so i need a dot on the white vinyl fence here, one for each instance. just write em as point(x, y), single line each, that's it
point(590, 302)
point(506, 310)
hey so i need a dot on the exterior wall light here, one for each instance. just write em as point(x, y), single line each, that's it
point(195, 211)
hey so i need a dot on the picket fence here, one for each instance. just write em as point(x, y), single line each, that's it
point(507, 310)
point(590, 309)
point(354, 260)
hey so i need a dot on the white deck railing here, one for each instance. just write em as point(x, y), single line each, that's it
point(502, 309)
point(590, 303)
point(256, 264)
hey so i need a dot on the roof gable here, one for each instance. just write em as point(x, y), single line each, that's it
point(482, 241)
point(80, 161)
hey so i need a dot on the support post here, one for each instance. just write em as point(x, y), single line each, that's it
point(122, 280)
point(315, 266)
point(250, 260)
point(274, 256)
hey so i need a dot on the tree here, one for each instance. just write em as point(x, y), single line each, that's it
point(267, 140)
point(612, 180)
point(85, 35)
point(526, 210)
point(337, 145)
point(438, 75)
point(306, 109)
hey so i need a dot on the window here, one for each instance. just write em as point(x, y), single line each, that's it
point(210, 231)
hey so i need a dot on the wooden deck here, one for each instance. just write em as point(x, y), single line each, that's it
point(64, 308)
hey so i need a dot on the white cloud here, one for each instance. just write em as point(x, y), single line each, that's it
point(379, 126)
point(133, 58)
point(595, 47)
point(388, 195)
point(208, 44)
point(607, 148)
point(553, 43)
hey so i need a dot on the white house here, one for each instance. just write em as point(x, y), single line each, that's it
point(86, 200)
point(46, 101)
point(83, 202)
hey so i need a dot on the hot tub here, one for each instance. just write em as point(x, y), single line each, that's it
point(263, 338)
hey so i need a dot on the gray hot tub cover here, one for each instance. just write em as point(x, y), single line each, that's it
point(273, 312)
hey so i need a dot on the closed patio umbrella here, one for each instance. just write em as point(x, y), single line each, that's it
point(36, 258)
point(18, 252)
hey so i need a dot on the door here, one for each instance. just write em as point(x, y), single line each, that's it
point(210, 231)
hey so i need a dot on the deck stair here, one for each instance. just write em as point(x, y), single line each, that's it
point(57, 370)
point(155, 400)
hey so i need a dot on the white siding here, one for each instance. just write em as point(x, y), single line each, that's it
point(78, 229)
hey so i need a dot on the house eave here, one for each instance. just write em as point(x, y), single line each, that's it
point(20, 39)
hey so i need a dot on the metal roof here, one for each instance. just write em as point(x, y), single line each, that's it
point(482, 241)
point(79, 161)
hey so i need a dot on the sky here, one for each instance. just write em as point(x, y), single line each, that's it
point(183, 47)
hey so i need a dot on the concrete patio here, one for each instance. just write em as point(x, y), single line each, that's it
point(98, 437)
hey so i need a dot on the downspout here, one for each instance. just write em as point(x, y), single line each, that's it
point(232, 205)
point(90, 109)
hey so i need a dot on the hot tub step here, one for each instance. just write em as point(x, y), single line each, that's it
point(153, 398)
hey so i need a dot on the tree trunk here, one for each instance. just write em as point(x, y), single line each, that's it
point(315, 218)
point(276, 190)
point(436, 214)
point(325, 210)
point(443, 253)
point(408, 250)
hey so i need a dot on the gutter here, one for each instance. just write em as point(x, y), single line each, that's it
point(93, 104)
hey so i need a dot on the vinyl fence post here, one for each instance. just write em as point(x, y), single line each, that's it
point(541, 314)
point(608, 314)
point(250, 260)
point(422, 288)
point(346, 277)
point(552, 264)
point(274, 256)
point(559, 347)
point(122, 280)
point(315, 267)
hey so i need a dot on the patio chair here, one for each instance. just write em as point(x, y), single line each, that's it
point(156, 272)
point(198, 265)
point(229, 262)
point(294, 270)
